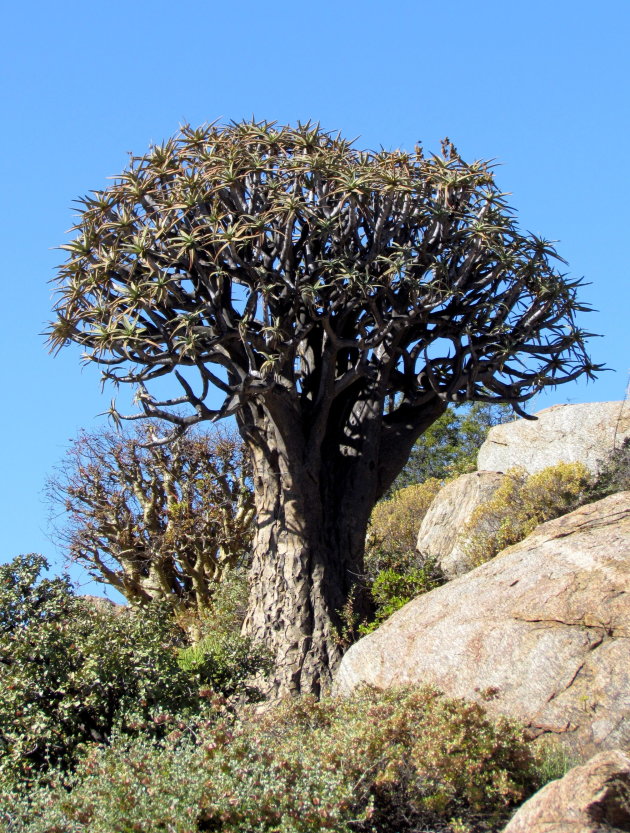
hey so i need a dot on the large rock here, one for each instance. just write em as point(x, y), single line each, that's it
point(540, 633)
point(585, 433)
point(594, 798)
point(440, 534)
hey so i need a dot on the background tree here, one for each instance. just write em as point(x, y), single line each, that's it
point(158, 522)
point(449, 446)
point(339, 299)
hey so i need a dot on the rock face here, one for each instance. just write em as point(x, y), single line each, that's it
point(540, 633)
point(104, 605)
point(584, 433)
point(440, 534)
point(594, 798)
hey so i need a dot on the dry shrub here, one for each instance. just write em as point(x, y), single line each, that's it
point(393, 530)
point(614, 473)
point(521, 503)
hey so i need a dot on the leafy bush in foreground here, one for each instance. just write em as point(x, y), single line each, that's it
point(392, 762)
point(71, 673)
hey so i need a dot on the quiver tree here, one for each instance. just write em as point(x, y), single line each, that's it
point(338, 300)
point(158, 522)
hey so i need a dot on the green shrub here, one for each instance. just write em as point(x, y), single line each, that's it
point(225, 613)
point(403, 760)
point(220, 657)
point(392, 590)
point(554, 759)
point(72, 673)
point(394, 573)
point(521, 503)
point(229, 603)
point(227, 662)
point(139, 785)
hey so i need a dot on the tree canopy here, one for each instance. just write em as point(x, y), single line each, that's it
point(293, 261)
point(157, 522)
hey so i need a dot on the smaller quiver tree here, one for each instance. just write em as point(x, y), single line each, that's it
point(159, 522)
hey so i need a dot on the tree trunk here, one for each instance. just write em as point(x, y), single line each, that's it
point(313, 504)
point(299, 582)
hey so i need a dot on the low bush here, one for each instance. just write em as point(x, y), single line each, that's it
point(74, 674)
point(227, 611)
point(394, 573)
point(393, 529)
point(521, 503)
point(403, 760)
point(392, 590)
point(227, 662)
point(220, 657)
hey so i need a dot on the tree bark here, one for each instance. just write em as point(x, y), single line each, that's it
point(313, 506)
point(302, 575)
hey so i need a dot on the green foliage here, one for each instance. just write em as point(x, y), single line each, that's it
point(229, 603)
point(142, 785)
point(520, 504)
point(397, 761)
point(226, 662)
point(393, 573)
point(71, 673)
point(554, 759)
point(449, 447)
point(391, 590)
point(220, 657)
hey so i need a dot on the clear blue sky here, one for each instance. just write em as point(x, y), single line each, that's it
point(542, 87)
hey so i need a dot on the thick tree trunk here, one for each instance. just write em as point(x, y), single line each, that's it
point(304, 568)
point(313, 505)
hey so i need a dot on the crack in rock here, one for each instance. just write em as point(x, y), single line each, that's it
point(607, 628)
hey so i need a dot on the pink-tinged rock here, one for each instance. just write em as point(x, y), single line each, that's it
point(593, 798)
point(541, 633)
point(585, 433)
point(441, 531)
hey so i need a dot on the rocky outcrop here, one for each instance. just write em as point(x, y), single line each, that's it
point(540, 633)
point(594, 798)
point(440, 534)
point(104, 605)
point(585, 433)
